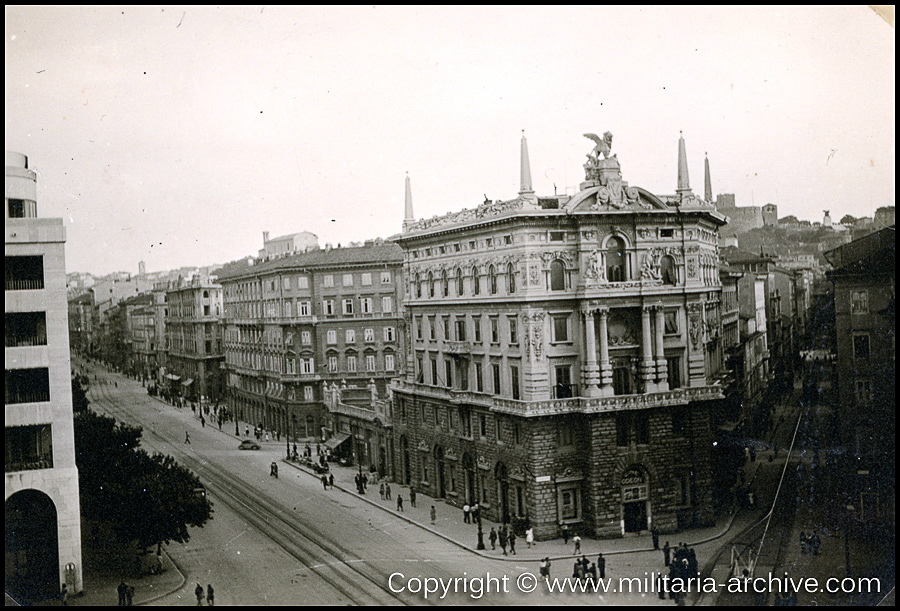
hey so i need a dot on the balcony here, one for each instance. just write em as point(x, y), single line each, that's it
point(457, 347)
point(574, 405)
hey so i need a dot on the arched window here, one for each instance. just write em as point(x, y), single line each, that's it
point(557, 275)
point(476, 287)
point(511, 278)
point(430, 284)
point(459, 281)
point(667, 270)
point(418, 287)
point(445, 284)
point(615, 260)
point(492, 280)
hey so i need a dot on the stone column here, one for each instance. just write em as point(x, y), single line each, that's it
point(606, 388)
point(590, 372)
point(647, 365)
point(662, 376)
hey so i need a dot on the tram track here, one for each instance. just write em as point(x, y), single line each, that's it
point(351, 576)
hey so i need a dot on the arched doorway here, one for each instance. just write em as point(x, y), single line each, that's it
point(635, 499)
point(32, 551)
point(439, 472)
point(468, 466)
point(502, 476)
point(404, 461)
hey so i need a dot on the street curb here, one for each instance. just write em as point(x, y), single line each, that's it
point(173, 590)
point(515, 558)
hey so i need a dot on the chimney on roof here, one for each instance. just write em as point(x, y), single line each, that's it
point(265, 237)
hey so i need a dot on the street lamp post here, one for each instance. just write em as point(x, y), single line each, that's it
point(480, 545)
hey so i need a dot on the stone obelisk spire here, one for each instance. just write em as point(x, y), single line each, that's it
point(684, 181)
point(707, 182)
point(524, 169)
point(408, 209)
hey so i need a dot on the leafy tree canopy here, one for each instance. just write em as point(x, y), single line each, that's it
point(848, 220)
point(146, 499)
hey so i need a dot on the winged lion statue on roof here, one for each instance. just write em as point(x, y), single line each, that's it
point(603, 146)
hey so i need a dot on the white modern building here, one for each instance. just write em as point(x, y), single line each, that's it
point(43, 532)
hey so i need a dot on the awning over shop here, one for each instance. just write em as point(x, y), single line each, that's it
point(173, 377)
point(188, 382)
point(337, 440)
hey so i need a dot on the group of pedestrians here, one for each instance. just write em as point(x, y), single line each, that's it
point(682, 564)
point(210, 595)
point(505, 536)
point(590, 571)
point(126, 594)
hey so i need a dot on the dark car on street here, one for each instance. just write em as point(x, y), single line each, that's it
point(248, 444)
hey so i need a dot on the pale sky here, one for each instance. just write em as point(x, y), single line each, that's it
point(178, 135)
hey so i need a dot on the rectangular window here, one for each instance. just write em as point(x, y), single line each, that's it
point(389, 362)
point(307, 393)
point(389, 335)
point(303, 308)
point(859, 302)
point(569, 503)
point(495, 372)
point(476, 325)
point(513, 330)
point(514, 380)
point(328, 307)
point(557, 236)
point(286, 283)
point(25, 273)
point(27, 385)
point(350, 336)
point(418, 325)
point(434, 372)
point(366, 279)
point(479, 377)
point(369, 335)
point(302, 282)
point(28, 447)
point(348, 306)
point(366, 305)
point(348, 280)
point(331, 336)
point(861, 346)
point(26, 329)
point(863, 391)
point(420, 372)
point(351, 364)
point(482, 425)
point(328, 280)
point(560, 328)
point(332, 364)
point(446, 328)
point(448, 372)
point(432, 327)
point(563, 388)
point(387, 305)
point(370, 362)
point(673, 367)
point(671, 322)
point(495, 330)
point(461, 329)
point(385, 277)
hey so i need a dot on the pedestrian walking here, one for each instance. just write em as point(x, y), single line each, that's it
point(476, 512)
point(433, 514)
point(387, 492)
point(129, 596)
point(210, 595)
point(512, 542)
point(324, 482)
point(565, 534)
point(545, 568)
point(493, 538)
point(666, 553)
point(198, 592)
point(412, 496)
point(122, 590)
point(381, 490)
point(399, 502)
point(187, 437)
point(267, 435)
point(466, 513)
point(529, 537)
point(503, 540)
point(577, 541)
point(815, 543)
point(654, 533)
point(64, 596)
point(331, 479)
point(202, 421)
point(601, 565)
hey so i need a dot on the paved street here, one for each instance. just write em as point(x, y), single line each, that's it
point(246, 567)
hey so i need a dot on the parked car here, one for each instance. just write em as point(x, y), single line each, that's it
point(248, 444)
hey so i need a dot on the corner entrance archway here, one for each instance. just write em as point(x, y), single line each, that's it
point(32, 551)
point(635, 498)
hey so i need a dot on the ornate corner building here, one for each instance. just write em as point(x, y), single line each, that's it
point(564, 354)
point(43, 521)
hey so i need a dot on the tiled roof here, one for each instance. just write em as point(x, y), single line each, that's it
point(386, 252)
